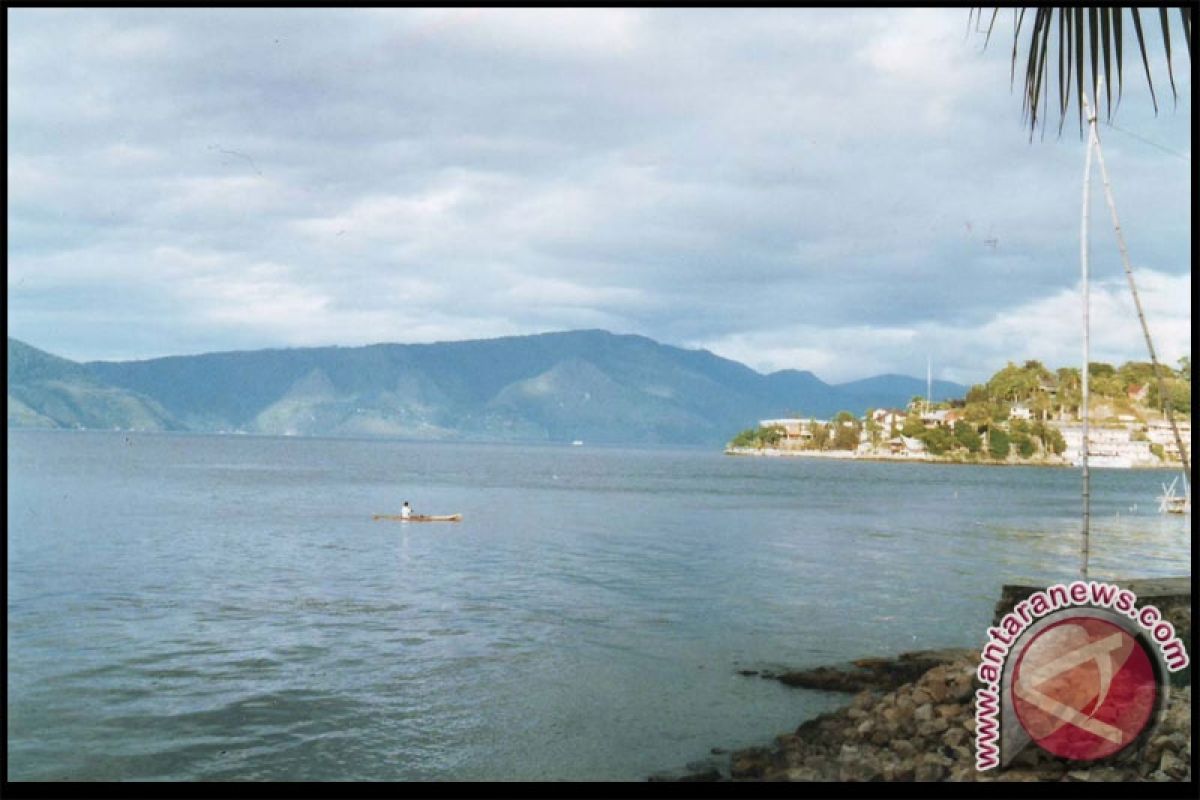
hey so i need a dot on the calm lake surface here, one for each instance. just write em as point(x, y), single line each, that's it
point(224, 607)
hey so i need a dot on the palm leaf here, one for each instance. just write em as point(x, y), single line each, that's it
point(1162, 16)
point(1116, 15)
point(1035, 66)
point(1186, 13)
point(1077, 47)
point(1030, 70)
point(1105, 33)
point(1017, 20)
point(1137, 26)
point(1064, 72)
point(1078, 19)
point(1094, 51)
point(988, 38)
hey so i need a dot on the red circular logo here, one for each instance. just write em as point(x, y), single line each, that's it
point(1084, 688)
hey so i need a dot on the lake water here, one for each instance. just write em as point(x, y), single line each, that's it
point(210, 608)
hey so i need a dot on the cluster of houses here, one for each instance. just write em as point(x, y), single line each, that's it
point(798, 433)
point(1128, 444)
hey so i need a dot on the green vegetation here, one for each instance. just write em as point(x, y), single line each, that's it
point(758, 438)
point(938, 440)
point(1129, 389)
point(846, 431)
point(966, 436)
point(998, 444)
point(1052, 440)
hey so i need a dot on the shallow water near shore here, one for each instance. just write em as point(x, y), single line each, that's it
point(224, 607)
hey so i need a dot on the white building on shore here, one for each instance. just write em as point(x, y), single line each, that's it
point(1159, 432)
point(1108, 447)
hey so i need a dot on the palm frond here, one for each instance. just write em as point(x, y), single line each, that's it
point(1017, 20)
point(1137, 26)
point(1105, 33)
point(1087, 35)
point(1186, 13)
point(1116, 15)
point(1166, 29)
point(1078, 15)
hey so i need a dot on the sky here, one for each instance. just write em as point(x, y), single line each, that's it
point(846, 191)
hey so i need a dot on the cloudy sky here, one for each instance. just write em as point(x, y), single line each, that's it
point(844, 191)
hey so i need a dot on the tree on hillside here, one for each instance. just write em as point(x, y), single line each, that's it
point(1139, 373)
point(913, 426)
point(1013, 383)
point(820, 436)
point(1038, 369)
point(846, 430)
point(873, 428)
point(977, 394)
point(1041, 404)
point(1052, 439)
point(978, 415)
point(1178, 391)
point(966, 435)
point(937, 440)
point(1070, 390)
point(759, 437)
point(998, 444)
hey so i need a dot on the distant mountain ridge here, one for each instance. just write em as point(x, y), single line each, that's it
point(45, 391)
point(590, 385)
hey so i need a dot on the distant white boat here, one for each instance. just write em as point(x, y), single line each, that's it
point(1171, 503)
point(577, 443)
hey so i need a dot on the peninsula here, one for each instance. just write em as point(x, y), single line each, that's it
point(1023, 415)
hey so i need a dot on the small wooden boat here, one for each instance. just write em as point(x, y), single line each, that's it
point(420, 518)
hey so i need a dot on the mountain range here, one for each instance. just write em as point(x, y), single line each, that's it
point(585, 385)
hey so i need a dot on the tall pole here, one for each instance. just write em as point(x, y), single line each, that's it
point(1083, 261)
point(1137, 303)
point(928, 384)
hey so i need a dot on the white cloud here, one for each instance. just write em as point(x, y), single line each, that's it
point(32, 180)
point(132, 43)
point(1049, 329)
point(570, 33)
point(534, 292)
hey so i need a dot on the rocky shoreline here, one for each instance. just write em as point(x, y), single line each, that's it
point(867, 673)
point(913, 719)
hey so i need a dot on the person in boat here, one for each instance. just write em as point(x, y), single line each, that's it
point(405, 510)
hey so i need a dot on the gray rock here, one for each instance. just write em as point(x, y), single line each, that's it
point(955, 737)
point(1173, 765)
point(929, 772)
point(893, 737)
